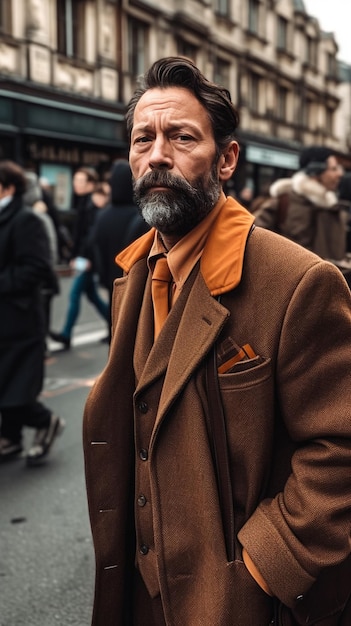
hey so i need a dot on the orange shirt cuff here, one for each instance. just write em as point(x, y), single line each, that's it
point(255, 573)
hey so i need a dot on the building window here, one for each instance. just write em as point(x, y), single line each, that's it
point(331, 65)
point(137, 47)
point(329, 121)
point(254, 14)
point(254, 92)
point(70, 27)
point(282, 33)
point(186, 49)
point(5, 17)
point(282, 100)
point(222, 7)
point(307, 118)
point(311, 51)
point(221, 73)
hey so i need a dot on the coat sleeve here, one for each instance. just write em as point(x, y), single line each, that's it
point(28, 258)
point(307, 526)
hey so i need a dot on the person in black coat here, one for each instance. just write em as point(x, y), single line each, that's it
point(117, 225)
point(24, 268)
point(84, 283)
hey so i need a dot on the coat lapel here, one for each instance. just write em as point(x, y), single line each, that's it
point(198, 329)
point(188, 334)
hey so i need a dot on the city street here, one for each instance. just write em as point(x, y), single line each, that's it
point(46, 554)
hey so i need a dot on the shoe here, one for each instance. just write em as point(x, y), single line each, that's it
point(60, 338)
point(43, 440)
point(9, 449)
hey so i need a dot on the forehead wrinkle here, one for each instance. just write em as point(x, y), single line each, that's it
point(159, 102)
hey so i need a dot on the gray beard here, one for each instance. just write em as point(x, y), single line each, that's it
point(179, 209)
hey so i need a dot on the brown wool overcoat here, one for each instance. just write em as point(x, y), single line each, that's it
point(289, 436)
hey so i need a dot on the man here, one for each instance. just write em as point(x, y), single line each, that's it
point(305, 208)
point(243, 521)
point(24, 269)
point(84, 182)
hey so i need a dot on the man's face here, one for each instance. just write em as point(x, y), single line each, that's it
point(173, 160)
point(332, 175)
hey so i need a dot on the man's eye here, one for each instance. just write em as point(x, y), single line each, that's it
point(184, 137)
point(141, 139)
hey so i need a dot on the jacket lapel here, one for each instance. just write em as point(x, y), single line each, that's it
point(187, 335)
point(198, 329)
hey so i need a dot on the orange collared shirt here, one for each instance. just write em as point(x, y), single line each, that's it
point(183, 256)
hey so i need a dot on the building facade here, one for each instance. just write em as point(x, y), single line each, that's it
point(68, 67)
point(59, 95)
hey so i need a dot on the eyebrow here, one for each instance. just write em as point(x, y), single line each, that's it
point(172, 126)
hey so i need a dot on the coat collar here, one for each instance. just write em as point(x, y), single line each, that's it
point(222, 259)
point(313, 190)
point(307, 187)
point(10, 209)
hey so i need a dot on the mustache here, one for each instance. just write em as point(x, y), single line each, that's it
point(159, 178)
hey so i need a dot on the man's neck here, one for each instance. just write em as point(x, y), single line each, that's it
point(169, 240)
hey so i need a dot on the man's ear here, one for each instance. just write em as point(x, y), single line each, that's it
point(228, 161)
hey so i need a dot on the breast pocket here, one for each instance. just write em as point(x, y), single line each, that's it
point(250, 373)
point(248, 401)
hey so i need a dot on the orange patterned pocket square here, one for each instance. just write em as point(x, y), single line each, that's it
point(230, 353)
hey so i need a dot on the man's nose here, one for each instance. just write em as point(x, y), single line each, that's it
point(161, 154)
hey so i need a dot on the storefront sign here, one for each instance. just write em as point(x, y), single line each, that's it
point(271, 156)
point(56, 153)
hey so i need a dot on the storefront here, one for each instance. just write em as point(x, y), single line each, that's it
point(261, 163)
point(54, 138)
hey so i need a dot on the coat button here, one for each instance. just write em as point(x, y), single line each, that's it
point(144, 549)
point(143, 407)
point(143, 454)
point(141, 500)
point(299, 598)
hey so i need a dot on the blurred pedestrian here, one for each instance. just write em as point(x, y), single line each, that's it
point(33, 197)
point(101, 196)
point(305, 207)
point(64, 239)
point(82, 262)
point(24, 268)
point(245, 196)
point(117, 225)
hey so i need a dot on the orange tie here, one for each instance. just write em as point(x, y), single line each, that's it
point(161, 280)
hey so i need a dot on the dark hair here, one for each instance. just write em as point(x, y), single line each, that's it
point(13, 174)
point(316, 157)
point(101, 188)
point(181, 72)
point(91, 174)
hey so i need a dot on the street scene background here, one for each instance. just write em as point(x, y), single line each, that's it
point(46, 554)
